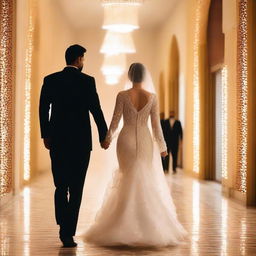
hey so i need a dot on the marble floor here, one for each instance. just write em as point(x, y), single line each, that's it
point(216, 225)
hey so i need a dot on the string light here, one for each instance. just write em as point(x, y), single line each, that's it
point(196, 94)
point(28, 65)
point(6, 34)
point(242, 96)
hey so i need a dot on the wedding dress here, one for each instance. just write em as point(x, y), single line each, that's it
point(138, 209)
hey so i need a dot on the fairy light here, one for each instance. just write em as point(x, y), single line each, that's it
point(6, 14)
point(196, 95)
point(242, 96)
point(224, 121)
point(28, 64)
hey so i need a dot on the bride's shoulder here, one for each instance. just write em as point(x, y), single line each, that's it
point(120, 94)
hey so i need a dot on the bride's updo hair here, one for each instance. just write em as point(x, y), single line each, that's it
point(136, 73)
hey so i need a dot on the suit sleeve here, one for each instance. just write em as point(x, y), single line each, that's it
point(95, 109)
point(181, 132)
point(44, 107)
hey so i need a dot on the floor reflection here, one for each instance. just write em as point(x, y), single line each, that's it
point(196, 217)
point(216, 225)
point(224, 226)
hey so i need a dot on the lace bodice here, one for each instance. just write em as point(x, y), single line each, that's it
point(132, 117)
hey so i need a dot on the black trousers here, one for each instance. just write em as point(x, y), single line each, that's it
point(174, 153)
point(69, 167)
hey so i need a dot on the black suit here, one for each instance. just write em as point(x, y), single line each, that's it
point(70, 95)
point(164, 162)
point(172, 136)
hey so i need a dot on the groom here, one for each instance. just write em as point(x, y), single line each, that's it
point(66, 99)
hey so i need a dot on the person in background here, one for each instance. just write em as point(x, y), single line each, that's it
point(162, 120)
point(173, 134)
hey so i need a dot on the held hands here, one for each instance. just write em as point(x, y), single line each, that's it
point(47, 143)
point(105, 144)
point(164, 154)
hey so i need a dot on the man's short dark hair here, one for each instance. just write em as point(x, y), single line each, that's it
point(73, 52)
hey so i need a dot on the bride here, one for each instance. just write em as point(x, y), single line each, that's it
point(138, 209)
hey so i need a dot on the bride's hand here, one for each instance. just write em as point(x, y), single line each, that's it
point(164, 154)
point(105, 144)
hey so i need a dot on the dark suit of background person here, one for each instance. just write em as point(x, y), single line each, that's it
point(162, 121)
point(71, 95)
point(173, 135)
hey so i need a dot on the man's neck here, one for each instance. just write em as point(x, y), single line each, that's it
point(72, 66)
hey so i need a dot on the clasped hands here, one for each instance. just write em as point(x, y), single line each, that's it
point(105, 144)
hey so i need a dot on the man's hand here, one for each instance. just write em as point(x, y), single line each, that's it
point(164, 154)
point(105, 144)
point(47, 143)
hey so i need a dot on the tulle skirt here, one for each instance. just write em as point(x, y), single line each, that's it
point(137, 209)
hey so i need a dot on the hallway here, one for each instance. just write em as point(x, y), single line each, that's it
point(216, 225)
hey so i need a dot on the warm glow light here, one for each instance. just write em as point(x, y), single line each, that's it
point(113, 68)
point(224, 125)
point(196, 217)
point(6, 83)
point(196, 95)
point(242, 96)
point(28, 64)
point(112, 79)
point(121, 18)
point(116, 43)
point(114, 64)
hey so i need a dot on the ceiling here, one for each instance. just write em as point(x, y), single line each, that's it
point(89, 13)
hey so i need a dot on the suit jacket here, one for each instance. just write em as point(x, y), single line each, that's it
point(173, 134)
point(163, 125)
point(70, 95)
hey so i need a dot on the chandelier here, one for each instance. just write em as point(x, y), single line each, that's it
point(120, 19)
point(114, 64)
point(113, 67)
point(116, 43)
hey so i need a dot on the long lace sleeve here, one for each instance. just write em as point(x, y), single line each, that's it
point(116, 117)
point(156, 126)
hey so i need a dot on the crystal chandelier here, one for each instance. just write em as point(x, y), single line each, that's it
point(113, 67)
point(116, 43)
point(120, 18)
point(114, 64)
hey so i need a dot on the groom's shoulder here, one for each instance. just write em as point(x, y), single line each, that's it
point(86, 76)
point(53, 75)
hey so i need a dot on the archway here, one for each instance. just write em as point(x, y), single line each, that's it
point(214, 92)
